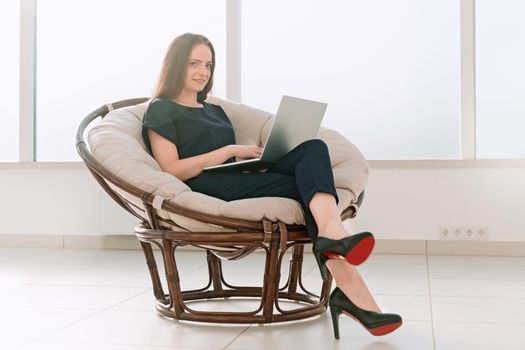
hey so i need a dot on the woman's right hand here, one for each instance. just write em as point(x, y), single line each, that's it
point(245, 151)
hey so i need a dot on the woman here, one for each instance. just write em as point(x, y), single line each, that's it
point(186, 134)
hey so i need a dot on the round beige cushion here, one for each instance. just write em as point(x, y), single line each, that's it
point(116, 142)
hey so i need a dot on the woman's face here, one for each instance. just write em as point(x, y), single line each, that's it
point(198, 70)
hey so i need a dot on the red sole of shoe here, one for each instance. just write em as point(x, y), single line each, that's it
point(361, 251)
point(358, 254)
point(378, 331)
point(382, 330)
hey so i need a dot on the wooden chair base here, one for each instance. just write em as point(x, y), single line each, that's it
point(270, 297)
point(275, 238)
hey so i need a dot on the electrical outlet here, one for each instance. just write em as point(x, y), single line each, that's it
point(463, 233)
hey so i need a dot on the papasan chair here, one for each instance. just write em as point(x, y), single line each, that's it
point(170, 215)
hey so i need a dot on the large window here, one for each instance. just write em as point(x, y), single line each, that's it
point(500, 78)
point(9, 79)
point(389, 70)
point(91, 52)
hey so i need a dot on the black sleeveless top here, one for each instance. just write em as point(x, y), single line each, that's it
point(194, 130)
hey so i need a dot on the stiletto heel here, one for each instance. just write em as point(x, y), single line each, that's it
point(375, 323)
point(335, 320)
point(321, 262)
point(354, 249)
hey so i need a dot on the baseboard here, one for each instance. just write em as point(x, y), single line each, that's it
point(383, 246)
point(400, 246)
point(476, 248)
point(70, 241)
point(31, 241)
point(102, 242)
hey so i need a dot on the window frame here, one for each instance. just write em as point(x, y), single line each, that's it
point(27, 151)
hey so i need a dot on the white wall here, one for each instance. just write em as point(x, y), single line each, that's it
point(412, 203)
point(58, 200)
point(400, 203)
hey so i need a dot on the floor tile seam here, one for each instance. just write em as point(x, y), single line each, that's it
point(401, 295)
point(140, 270)
point(35, 307)
point(471, 260)
point(476, 297)
point(123, 301)
point(237, 337)
point(390, 263)
point(430, 298)
point(136, 286)
point(366, 275)
point(485, 265)
point(117, 344)
point(494, 271)
point(475, 279)
point(98, 311)
point(79, 286)
point(59, 329)
point(103, 260)
point(238, 270)
point(112, 309)
point(310, 270)
point(443, 257)
point(479, 279)
point(145, 290)
point(192, 270)
point(481, 264)
point(15, 287)
point(51, 268)
point(112, 259)
point(309, 276)
point(49, 278)
point(91, 285)
point(113, 343)
point(394, 278)
point(109, 260)
point(462, 275)
point(133, 310)
point(64, 274)
point(392, 268)
point(480, 322)
point(249, 273)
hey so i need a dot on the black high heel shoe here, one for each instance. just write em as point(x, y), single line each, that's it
point(376, 323)
point(355, 249)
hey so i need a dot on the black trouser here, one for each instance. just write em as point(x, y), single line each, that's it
point(300, 174)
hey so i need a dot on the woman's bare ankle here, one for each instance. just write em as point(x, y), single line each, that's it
point(348, 279)
point(361, 298)
point(334, 232)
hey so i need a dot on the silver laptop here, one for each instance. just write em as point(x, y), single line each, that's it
point(297, 120)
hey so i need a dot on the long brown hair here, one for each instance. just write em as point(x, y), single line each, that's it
point(173, 70)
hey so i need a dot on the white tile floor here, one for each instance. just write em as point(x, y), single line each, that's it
point(101, 299)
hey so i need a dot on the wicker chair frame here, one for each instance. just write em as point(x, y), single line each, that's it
point(275, 238)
